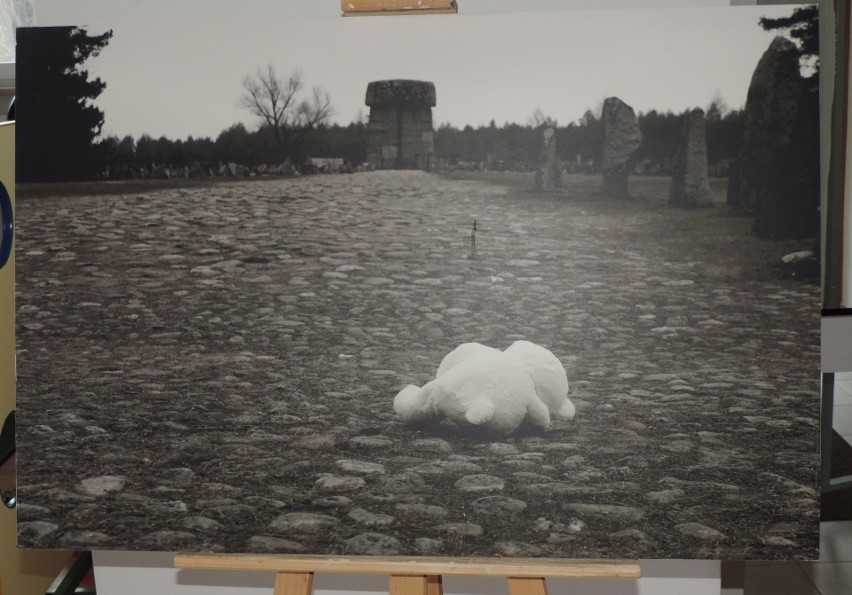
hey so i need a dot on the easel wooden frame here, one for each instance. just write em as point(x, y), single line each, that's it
point(413, 576)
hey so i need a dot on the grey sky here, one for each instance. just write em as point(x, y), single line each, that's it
point(180, 79)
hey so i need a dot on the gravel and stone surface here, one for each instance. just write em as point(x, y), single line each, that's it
point(213, 369)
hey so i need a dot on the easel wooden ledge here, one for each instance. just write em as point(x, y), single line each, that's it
point(413, 576)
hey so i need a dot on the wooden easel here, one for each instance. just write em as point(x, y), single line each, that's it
point(420, 575)
point(413, 576)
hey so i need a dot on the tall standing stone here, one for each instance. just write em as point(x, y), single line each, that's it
point(622, 137)
point(690, 186)
point(776, 173)
point(399, 133)
point(549, 176)
point(772, 105)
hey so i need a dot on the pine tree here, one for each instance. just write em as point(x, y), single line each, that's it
point(57, 122)
point(802, 26)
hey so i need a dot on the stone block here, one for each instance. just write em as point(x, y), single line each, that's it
point(690, 186)
point(400, 92)
point(400, 126)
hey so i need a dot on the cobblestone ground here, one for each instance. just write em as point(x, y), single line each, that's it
point(214, 368)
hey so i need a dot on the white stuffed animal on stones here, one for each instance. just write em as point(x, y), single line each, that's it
point(492, 389)
point(463, 353)
point(548, 374)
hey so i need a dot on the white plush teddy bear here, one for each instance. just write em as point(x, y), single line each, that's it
point(493, 389)
point(548, 374)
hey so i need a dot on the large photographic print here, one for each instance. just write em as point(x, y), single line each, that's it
point(528, 285)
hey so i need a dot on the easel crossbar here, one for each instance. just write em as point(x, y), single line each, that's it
point(512, 567)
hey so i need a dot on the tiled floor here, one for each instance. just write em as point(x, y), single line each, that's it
point(832, 574)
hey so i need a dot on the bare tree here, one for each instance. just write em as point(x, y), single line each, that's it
point(277, 101)
point(539, 118)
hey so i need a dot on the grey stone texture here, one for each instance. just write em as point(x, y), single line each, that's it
point(399, 133)
point(776, 174)
point(247, 406)
point(772, 105)
point(690, 186)
point(549, 176)
point(622, 137)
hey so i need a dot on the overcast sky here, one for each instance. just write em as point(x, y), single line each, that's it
point(181, 79)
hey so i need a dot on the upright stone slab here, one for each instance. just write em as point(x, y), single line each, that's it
point(549, 176)
point(776, 174)
point(399, 133)
point(622, 137)
point(690, 186)
point(772, 106)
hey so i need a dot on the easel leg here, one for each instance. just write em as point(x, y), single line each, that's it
point(527, 586)
point(294, 583)
point(434, 585)
point(403, 584)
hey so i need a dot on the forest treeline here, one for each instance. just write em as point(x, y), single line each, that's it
point(515, 147)
point(510, 147)
point(252, 149)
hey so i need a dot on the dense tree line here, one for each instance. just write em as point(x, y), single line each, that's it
point(128, 157)
point(578, 145)
point(512, 147)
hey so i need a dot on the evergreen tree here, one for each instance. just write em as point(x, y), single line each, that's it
point(118, 155)
point(660, 139)
point(56, 120)
point(802, 26)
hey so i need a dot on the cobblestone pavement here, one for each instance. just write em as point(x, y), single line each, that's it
point(214, 368)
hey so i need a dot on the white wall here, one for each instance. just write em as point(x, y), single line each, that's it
point(836, 340)
point(114, 12)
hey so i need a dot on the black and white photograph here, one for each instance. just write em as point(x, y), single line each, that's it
point(525, 285)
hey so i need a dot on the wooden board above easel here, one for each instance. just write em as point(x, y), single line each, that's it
point(413, 576)
point(516, 567)
point(392, 7)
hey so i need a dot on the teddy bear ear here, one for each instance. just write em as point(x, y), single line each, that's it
point(480, 412)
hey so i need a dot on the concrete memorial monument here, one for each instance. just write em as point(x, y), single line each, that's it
point(400, 134)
